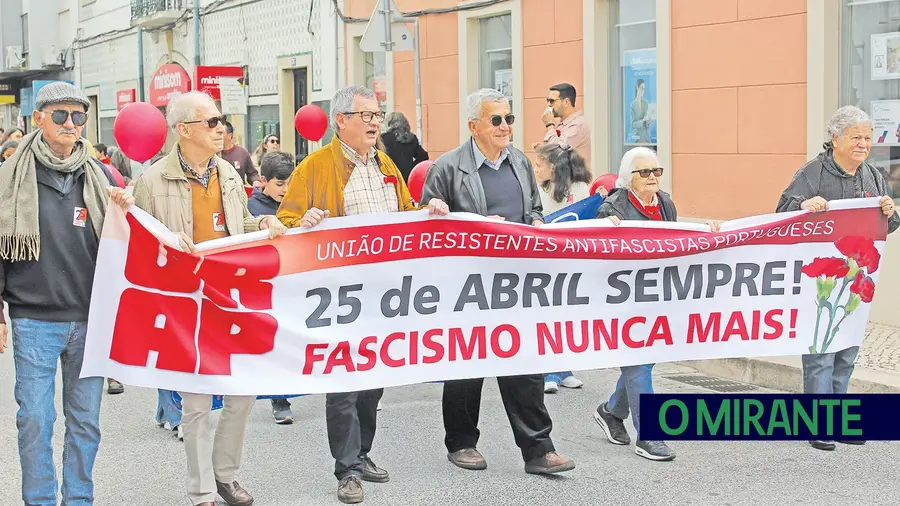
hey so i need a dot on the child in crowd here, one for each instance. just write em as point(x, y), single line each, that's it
point(275, 169)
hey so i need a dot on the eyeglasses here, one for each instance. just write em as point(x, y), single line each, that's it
point(645, 173)
point(211, 122)
point(367, 116)
point(60, 117)
point(273, 141)
point(497, 119)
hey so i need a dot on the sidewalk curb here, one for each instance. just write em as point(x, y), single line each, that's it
point(785, 374)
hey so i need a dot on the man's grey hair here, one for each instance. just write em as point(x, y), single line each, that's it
point(184, 107)
point(627, 166)
point(846, 117)
point(342, 101)
point(475, 101)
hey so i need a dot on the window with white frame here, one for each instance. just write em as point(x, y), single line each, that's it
point(495, 54)
point(632, 77)
point(870, 77)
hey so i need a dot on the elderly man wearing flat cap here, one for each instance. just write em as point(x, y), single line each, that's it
point(53, 197)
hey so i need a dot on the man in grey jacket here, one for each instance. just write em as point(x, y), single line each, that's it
point(839, 172)
point(489, 177)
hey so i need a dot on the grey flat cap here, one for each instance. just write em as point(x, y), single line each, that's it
point(60, 92)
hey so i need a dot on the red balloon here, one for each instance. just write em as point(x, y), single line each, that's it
point(311, 122)
point(140, 131)
point(417, 179)
point(607, 181)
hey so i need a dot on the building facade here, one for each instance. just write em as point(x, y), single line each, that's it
point(738, 91)
point(37, 39)
point(147, 50)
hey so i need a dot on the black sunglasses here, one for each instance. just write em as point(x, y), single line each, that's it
point(211, 122)
point(60, 117)
point(645, 173)
point(274, 140)
point(497, 119)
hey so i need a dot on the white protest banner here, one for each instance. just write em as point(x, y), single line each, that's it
point(384, 300)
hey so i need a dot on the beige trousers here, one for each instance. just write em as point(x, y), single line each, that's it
point(218, 460)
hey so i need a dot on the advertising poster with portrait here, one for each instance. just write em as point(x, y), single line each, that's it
point(885, 56)
point(639, 96)
point(885, 122)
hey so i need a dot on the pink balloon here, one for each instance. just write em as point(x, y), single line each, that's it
point(416, 180)
point(311, 122)
point(140, 131)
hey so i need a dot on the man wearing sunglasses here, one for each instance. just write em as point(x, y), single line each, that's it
point(489, 177)
point(563, 124)
point(53, 198)
point(201, 197)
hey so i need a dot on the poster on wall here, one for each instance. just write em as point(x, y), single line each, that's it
point(885, 56)
point(885, 122)
point(503, 82)
point(639, 96)
point(234, 100)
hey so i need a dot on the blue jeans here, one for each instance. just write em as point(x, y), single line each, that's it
point(828, 373)
point(634, 381)
point(37, 346)
point(167, 413)
point(556, 377)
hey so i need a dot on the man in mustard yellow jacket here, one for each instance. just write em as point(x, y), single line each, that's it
point(347, 177)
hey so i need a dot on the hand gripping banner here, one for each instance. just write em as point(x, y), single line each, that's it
point(384, 300)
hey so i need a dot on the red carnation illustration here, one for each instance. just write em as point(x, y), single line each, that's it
point(862, 259)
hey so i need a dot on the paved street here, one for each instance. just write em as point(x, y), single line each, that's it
point(881, 349)
point(140, 464)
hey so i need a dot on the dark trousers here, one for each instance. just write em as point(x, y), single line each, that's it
point(351, 419)
point(523, 398)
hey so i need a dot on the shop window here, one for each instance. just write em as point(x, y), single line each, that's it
point(633, 77)
point(106, 131)
point(375, 74)
point(870, 77)
point(495, 54)
point(263, 121)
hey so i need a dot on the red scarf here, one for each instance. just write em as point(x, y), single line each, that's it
point(650, 211)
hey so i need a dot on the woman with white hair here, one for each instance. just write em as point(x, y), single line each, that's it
point(636, 197)
point(838, 172)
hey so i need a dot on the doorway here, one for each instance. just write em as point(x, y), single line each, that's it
point(301, 147)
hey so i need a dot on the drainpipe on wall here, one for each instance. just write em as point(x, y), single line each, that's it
point(140, 34)
point(196, 33)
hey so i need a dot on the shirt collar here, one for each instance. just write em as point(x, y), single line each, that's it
point(654, 202)
point(480, 159)
point(572, 117)
point(353, 156)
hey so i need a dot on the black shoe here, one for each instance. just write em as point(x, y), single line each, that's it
point(855, 442)
point(350, 490)
point(613, 427)
point(281, 409)
point(653, 450)
point(822, 445)
point(373, 473)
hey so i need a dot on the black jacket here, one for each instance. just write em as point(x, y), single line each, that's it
point(405, 154)
point(618, 204)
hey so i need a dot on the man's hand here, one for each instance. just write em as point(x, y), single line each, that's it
point(815, 204)
point(120, 197)
point(887, 205)
point(313, 217)
point(536, 223)
point(615, 220)
point(4, 335)
point(184, 243)
point(273, 225)
point(714, 225)
point(602, 191)
point(437, 207)
point(547, 117)
point(496, 217)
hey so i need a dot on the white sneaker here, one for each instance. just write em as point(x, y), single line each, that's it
point(379, 406)
point(550, 387)
point(180, 433)
point(571, 382)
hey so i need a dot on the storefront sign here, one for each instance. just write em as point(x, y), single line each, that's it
point(125, 97)
point(9, 93)
point(233, 97)
point(208, 78)
point(169, 80)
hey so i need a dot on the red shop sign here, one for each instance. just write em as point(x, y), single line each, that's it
point(125, 97)
point(208, 78)
point(169, 80)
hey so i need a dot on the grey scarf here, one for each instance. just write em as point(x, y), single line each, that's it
point(20, 236)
